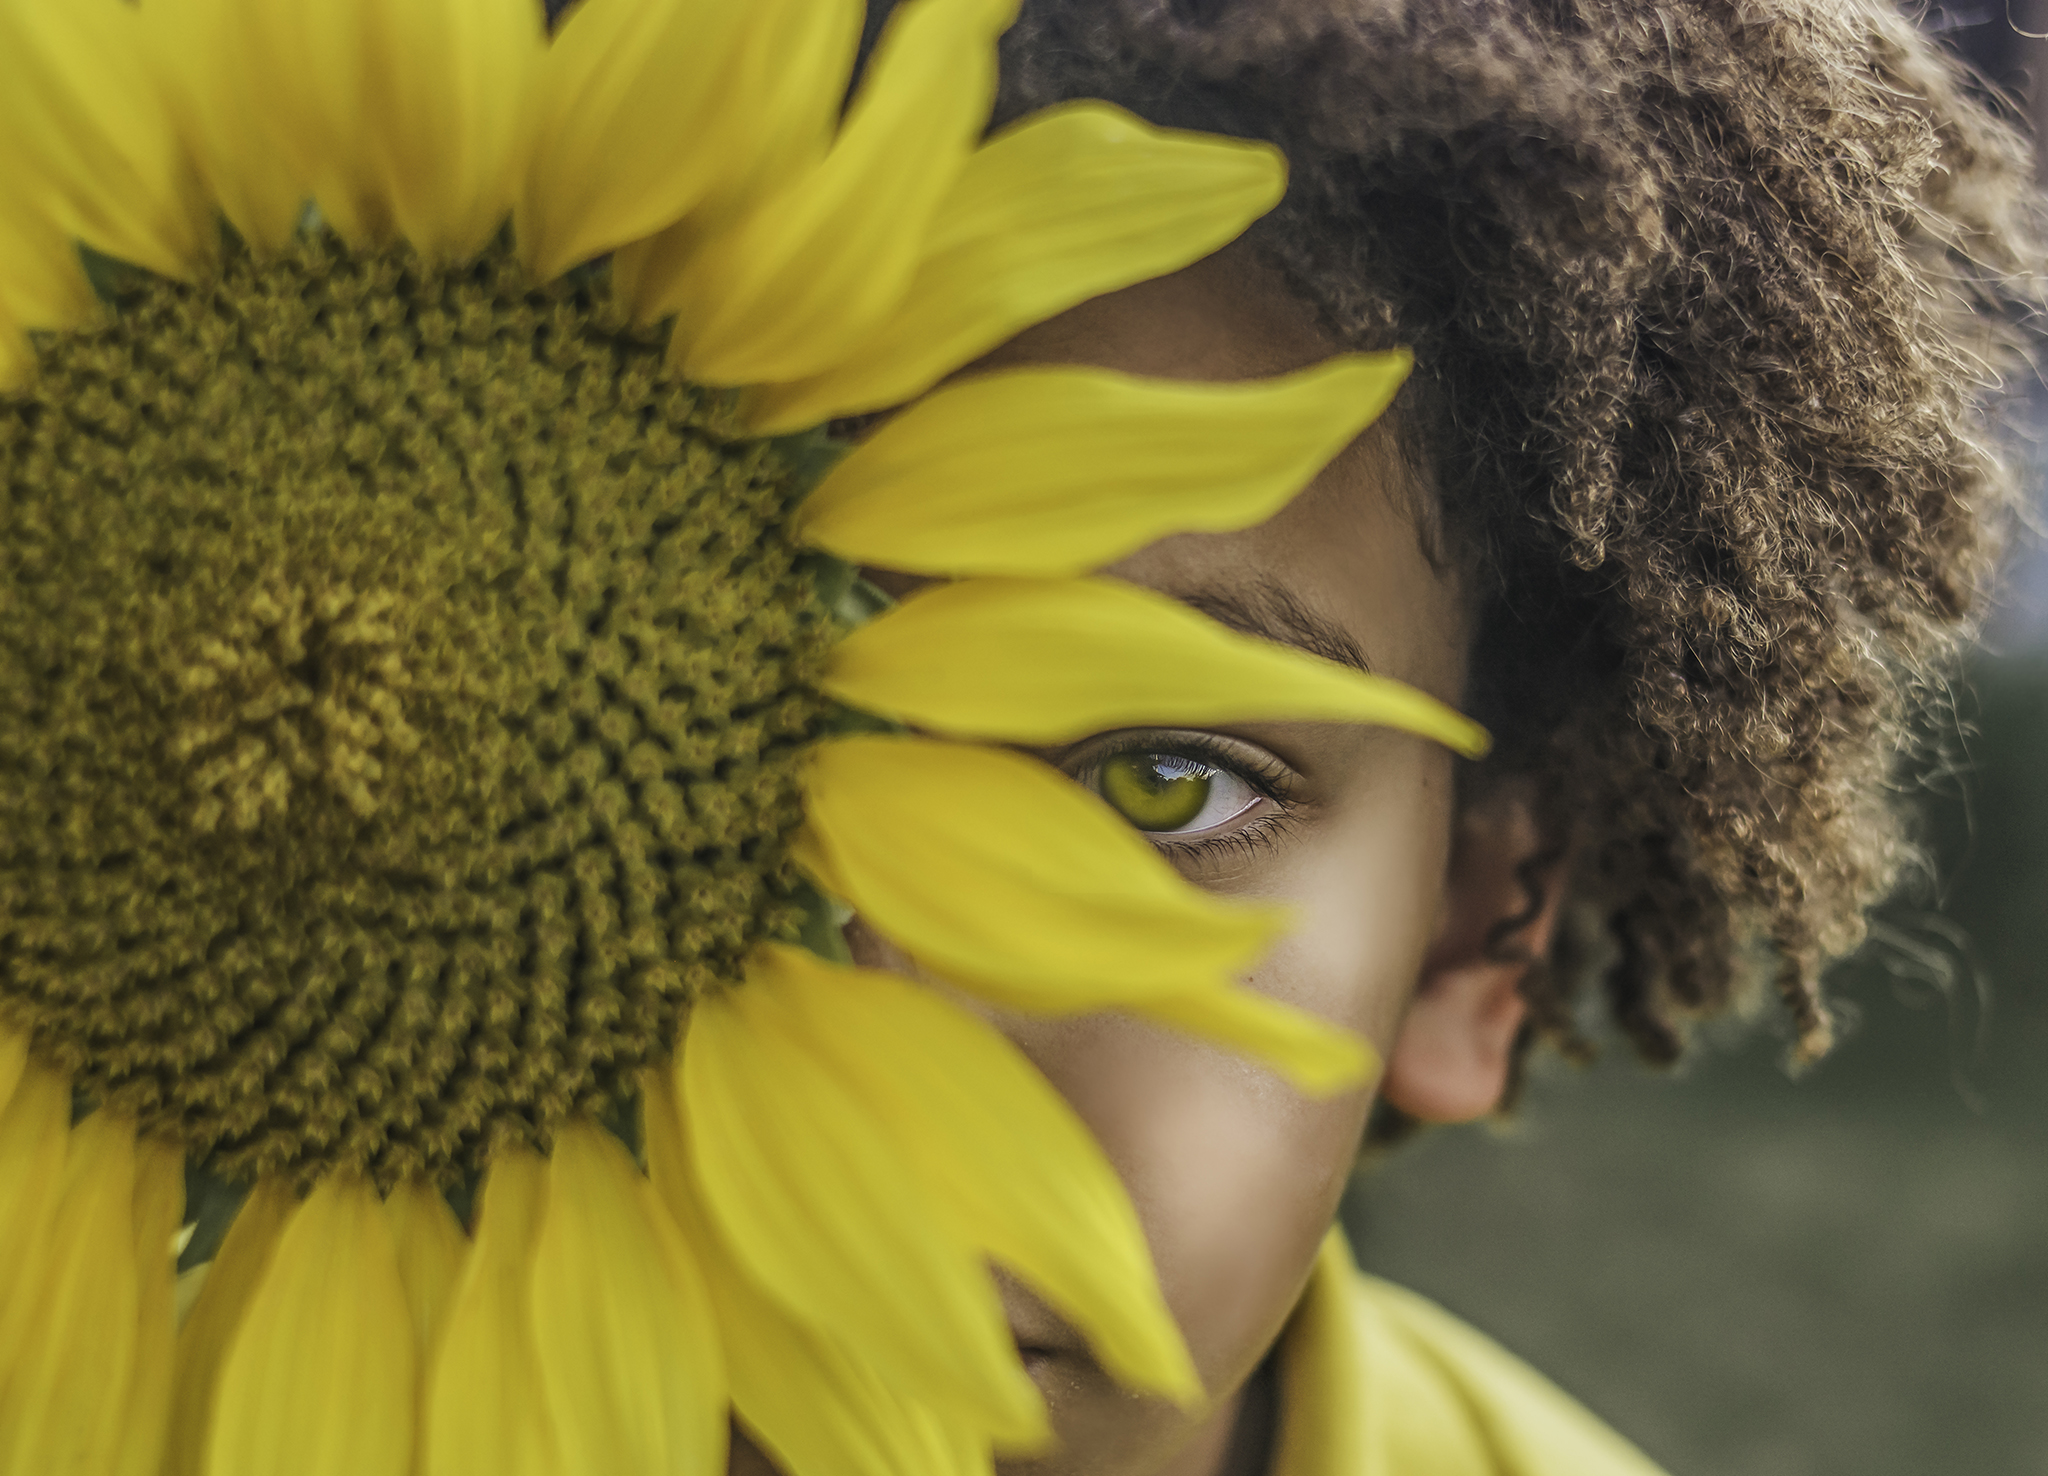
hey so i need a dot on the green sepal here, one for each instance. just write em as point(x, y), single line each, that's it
point(623, 1119)
point(211, 1204)
point(113, 281)
point(834, 577)
point(823, 918)
point(861, 602)
point(851, 722)
point(852, 600)
point(808, 457)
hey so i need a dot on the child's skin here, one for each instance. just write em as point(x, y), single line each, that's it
point(1235, 1176)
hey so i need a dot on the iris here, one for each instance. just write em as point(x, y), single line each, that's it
point(1157, 791)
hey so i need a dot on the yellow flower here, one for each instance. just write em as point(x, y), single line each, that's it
point(430, 712)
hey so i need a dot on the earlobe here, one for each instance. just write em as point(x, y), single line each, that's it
point(1506, 877)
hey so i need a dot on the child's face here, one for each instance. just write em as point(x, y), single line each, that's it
point(1235, 1176)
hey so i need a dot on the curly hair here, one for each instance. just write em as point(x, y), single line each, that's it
point(1708, 300)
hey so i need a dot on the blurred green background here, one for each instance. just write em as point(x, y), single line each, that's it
point(1842, 1275)
point(1752, 1276)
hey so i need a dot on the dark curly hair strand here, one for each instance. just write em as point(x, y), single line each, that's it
point(1708, 299)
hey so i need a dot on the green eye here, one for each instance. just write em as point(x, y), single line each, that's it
point(1156, 791)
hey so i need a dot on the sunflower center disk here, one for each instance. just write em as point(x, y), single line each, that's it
point(401, 690)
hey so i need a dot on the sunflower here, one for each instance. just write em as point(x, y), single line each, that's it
point(441, 727)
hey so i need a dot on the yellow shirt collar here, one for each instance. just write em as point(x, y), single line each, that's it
point(1376, 1381)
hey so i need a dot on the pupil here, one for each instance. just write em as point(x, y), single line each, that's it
point(1156, 791)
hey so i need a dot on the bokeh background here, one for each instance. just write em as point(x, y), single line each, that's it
point(1844, 1274)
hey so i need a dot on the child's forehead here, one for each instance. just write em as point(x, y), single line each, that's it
point(1340, 572)
point(1229, 316)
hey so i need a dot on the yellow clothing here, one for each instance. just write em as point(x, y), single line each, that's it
point(1375, 1381)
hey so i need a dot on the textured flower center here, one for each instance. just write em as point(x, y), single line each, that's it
point(401, 689)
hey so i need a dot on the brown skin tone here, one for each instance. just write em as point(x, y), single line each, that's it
point(1235, 1176)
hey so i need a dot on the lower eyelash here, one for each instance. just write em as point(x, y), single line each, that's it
point(1246, 843)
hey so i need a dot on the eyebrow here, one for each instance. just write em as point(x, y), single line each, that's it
point(1270, 611)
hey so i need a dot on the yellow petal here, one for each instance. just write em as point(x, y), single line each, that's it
point(34, 1138)
point(17, 359)
point(1073, 202)
point(795, 287)
point(403, 117)
point(629, 1352)
point(755, 90)
point(64, 1397)
point(215, 74)
point(786, 79)
point(825, 1210)
point(85, 122)
point(806, 1401)
point(1053, 660)
point(320, 1377)
point(209, 1329)
point(13, 1062)
point(1015, 1166)
point(431, 1250)
point(1004, 877)
point(42, 283)
point(191, 1282)
point(1318, 1058)
point(425, 118)
point(633, 108)
point(1058, 471)
point(159, 1205)
point(1009, 879)
point(486, 1411)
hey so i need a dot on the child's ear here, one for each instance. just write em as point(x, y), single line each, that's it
point(1451, 1058)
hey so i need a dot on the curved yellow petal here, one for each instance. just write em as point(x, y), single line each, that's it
point(1319, 1059)
point(209, 1330)
point(319, 1381)
point(486, 1412)
point(1017, 1169)
point(1007, 878)
point(1053, 660)
point(1071, 203)
point(42, 282)
point(214, 70)
point(628, 1349)
point(35, 1136)
point(431, 1249)
point(84, 119)
point(787, 78)
point(652, 110)
point(804, 1400)
point(1059, 471)
point(65, 1393)
point(632, 107)
point(425, 115)
point(402, 118)
point(159, 1204)
point(191, 1282)
point(794, 288)
point(826, 1211)
point(17, 359)
point(1004, 877)
point(13, 1063)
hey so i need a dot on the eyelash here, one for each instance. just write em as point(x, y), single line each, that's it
point(1263, 775)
